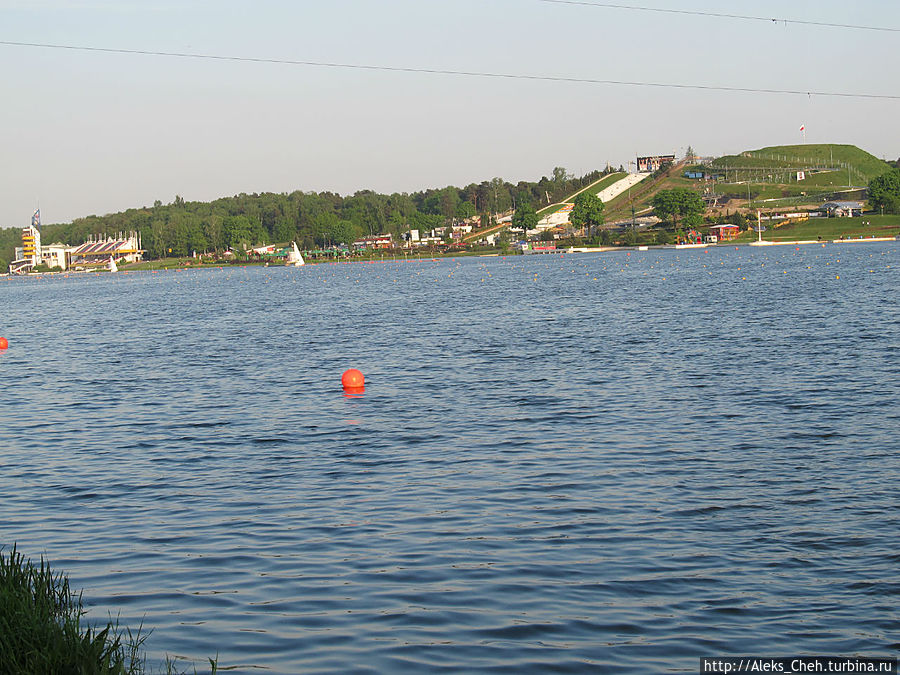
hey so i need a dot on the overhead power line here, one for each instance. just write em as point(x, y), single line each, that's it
point(719, 15)
point(461, 73)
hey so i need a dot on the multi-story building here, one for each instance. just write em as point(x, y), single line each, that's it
point(28, 256)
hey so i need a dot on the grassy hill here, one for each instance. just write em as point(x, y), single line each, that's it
point(772, 176)
point(829, 229)
point(776, 163)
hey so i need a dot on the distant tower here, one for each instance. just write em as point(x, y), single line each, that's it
point(31, 245)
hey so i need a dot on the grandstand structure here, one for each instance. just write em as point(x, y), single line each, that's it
point(94, 253)
point(124, 247)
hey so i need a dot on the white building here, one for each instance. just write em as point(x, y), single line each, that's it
point(56, 255)
point(842, 209)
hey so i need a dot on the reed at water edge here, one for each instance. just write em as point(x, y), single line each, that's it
point(41, 630)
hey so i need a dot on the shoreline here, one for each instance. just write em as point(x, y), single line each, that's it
point(151, 266)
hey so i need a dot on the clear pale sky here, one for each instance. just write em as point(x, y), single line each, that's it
point(92, 133)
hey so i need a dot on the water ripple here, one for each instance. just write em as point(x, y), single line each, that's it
point(633, 463)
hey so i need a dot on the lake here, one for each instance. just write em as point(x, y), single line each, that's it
point(618, 462)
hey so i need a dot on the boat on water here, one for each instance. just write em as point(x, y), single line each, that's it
point(701, 245)
point(294, 258)
point(111, 265)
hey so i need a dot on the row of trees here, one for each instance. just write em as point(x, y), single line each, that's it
point(311, 219)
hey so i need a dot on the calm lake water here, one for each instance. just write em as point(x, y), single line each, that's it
point(617, 462)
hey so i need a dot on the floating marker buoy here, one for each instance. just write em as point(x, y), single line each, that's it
point(353, 379)
point(4, 343)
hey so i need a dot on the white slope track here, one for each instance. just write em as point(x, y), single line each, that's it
point(561, 216)
point(621, 186)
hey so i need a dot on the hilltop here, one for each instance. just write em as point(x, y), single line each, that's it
point(766, 178)
point(822, 157)
point(813, 156)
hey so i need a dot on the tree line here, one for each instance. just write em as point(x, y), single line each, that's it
point(312, 219)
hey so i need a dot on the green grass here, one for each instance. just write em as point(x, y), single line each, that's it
point(41, 630)
point(597, 187)
point(864, 166)
point(829, 229)
point(758, 190)
point(611, 179)
point(835, 179)
point(620, 207)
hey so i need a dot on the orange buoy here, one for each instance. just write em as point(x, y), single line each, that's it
point(353, 379)
point(4, 343)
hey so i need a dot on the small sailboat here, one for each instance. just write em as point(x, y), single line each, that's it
point(111, 266)
point(294, 259)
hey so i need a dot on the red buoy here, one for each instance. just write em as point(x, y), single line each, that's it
point(353, 379)
point(4, 343)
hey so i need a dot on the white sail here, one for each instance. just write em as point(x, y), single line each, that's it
point(294, 259)
point(112, 265)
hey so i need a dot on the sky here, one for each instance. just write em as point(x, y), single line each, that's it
point(96, 132)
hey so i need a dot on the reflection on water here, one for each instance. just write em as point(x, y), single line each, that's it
point(559, 463)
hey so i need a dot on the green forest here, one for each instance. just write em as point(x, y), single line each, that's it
point(312, 219)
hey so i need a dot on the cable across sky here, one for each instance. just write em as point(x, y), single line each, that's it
point(460, 73)
point(719, 15)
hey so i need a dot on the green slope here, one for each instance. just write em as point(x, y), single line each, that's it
point(862, 165)
point(594, 188)
point(620, 207)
